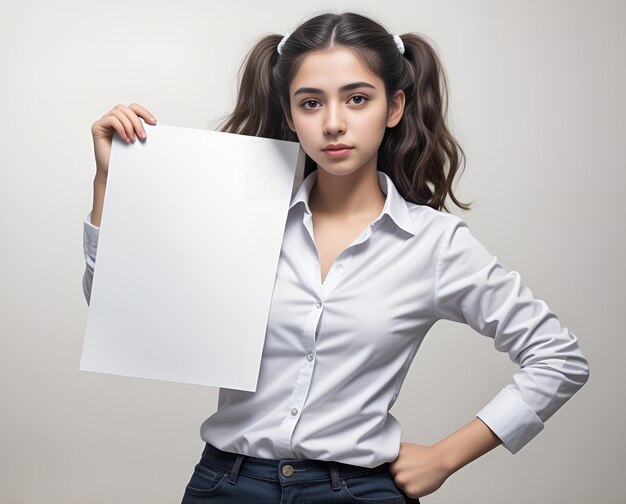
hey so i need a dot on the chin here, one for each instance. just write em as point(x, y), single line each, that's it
point(337, 172)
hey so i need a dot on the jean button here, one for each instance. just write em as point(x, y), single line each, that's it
point(287, 470)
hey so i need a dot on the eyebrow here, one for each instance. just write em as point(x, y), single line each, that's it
point(347, 87)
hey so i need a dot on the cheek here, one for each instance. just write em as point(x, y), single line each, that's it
point(371, 128)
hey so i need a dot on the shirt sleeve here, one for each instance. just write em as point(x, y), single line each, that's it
point(90, 247)
point(472, 287)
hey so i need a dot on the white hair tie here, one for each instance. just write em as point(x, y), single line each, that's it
point(399, 43)
point(282, 43)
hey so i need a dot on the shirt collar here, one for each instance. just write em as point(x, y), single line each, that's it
point(395, 205)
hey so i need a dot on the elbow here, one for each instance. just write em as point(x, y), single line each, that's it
point(577, 371)
point(575, 365)
point(584, 371)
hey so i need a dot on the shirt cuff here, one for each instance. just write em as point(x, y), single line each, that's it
point(511, 419)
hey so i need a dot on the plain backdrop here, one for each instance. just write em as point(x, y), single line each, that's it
point(537, 100)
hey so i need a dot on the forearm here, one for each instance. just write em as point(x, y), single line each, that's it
point(466, 444)
point(99, 187)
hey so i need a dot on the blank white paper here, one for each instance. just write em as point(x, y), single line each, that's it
point(190, 237)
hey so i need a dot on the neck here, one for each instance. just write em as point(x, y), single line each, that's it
point(354, 196)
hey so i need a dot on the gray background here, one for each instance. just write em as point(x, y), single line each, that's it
point(538, 103)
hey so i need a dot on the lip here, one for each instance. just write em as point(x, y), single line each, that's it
point(337, 150)
point(336, 147)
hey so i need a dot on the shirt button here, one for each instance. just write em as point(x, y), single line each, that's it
point(294, 412)
point(318, 304)
point(310, 356)
point(339, 266)
point(287, 470)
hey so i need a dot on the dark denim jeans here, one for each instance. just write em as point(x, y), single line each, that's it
point(226, 478)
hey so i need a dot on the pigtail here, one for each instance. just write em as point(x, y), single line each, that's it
point(258, 111)
point(420, 154)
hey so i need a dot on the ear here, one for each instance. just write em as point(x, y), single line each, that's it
point(287, 116)
point(396, 109)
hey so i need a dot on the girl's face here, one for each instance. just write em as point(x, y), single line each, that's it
point(339, 111)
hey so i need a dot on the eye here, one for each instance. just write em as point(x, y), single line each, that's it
point(309, 104)
point(359, 99)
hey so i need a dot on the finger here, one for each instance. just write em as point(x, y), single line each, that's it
point(136, 124)
point(119, 128)
point(122, 116)
point(112, 122)
point(143, 112)
point(393, 468)
point(401, 480)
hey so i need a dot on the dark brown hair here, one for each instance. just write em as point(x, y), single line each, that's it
point(419, 154)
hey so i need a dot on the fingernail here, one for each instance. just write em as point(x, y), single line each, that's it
point(153, 119)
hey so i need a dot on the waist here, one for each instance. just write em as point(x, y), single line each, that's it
point(284, 470)
point(253, 427)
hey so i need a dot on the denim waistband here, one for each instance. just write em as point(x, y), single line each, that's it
point(285, 471)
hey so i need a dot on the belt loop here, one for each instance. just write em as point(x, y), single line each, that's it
point(334, 476)
point(235, 470)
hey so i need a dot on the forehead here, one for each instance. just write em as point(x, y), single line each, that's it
point(332, 68)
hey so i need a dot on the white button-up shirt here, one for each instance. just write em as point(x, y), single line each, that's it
point(336, 353)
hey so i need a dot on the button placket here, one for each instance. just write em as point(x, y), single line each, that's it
point(303, 383)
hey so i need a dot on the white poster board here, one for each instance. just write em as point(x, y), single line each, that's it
point(189, 242)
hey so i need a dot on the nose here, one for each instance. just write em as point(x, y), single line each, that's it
point(334, 121)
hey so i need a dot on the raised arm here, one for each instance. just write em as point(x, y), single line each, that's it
point(125, 120)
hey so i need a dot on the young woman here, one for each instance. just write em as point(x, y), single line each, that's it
point(369, 262)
